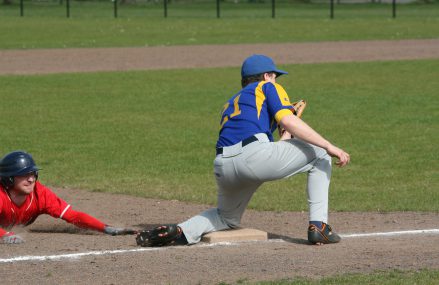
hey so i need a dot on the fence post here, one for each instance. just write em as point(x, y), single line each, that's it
point(68, 8)
point(394, 8)
point(21, 8)
point(115, 8)
point(331, 4)
point(218, 9)
point(165, 7)
point(273, 4)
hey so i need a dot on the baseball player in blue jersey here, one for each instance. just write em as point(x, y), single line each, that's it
point(246, 157)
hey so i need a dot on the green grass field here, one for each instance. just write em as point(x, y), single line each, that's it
point(92, 25)
point(152, 133)
point(396, 277)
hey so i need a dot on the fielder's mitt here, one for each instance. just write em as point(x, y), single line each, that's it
point(160, 236)
point(298, 108)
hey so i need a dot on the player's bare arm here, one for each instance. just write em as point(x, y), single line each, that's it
point(298, 128)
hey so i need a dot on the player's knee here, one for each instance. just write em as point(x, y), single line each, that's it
point(322, 156)
point(231, 222)
point(327, 158)
point(324, 164)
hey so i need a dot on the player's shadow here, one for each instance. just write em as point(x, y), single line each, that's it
point(148, 226)
point(67, 229)
point(288, 239)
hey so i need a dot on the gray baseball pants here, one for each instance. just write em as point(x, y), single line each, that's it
point(239, 171)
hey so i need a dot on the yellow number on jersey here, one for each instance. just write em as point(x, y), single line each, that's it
point(236, 110)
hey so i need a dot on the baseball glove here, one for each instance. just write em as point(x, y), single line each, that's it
point(160, 236)
point(298, 108)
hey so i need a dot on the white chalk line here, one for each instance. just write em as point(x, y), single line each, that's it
point(120, 251)
point(415, 232)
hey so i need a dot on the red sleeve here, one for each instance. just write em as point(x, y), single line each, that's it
point(2, 232)
point(49, 202)
point(83, 220)
point(58, 208)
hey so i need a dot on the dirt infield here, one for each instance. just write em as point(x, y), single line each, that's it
point(203, 56)
point(286, 256)
point(58, 253)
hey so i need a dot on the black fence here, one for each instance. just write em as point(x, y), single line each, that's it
point(270, 7)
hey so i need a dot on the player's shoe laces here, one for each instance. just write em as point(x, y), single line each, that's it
point(323, 235)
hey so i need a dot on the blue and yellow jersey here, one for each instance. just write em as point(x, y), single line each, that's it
point(257, 108)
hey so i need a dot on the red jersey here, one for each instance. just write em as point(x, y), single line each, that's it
point(41, 201)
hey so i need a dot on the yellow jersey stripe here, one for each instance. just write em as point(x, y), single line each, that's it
point(283, 96)
point(282, 113)
point(260, 97)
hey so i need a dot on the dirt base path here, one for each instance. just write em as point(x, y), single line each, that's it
point(203, 56)
point(287, 255)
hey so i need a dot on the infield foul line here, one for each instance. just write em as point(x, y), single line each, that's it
point(119, 251)
point(415, 232)
point(104, 252)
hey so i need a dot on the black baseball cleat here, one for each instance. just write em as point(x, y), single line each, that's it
point(164, 235)
point(322, 236)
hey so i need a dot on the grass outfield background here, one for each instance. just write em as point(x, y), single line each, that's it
point(302, 23)
point(152, 133)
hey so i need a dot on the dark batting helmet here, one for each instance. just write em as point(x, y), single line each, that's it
point(16, 163)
